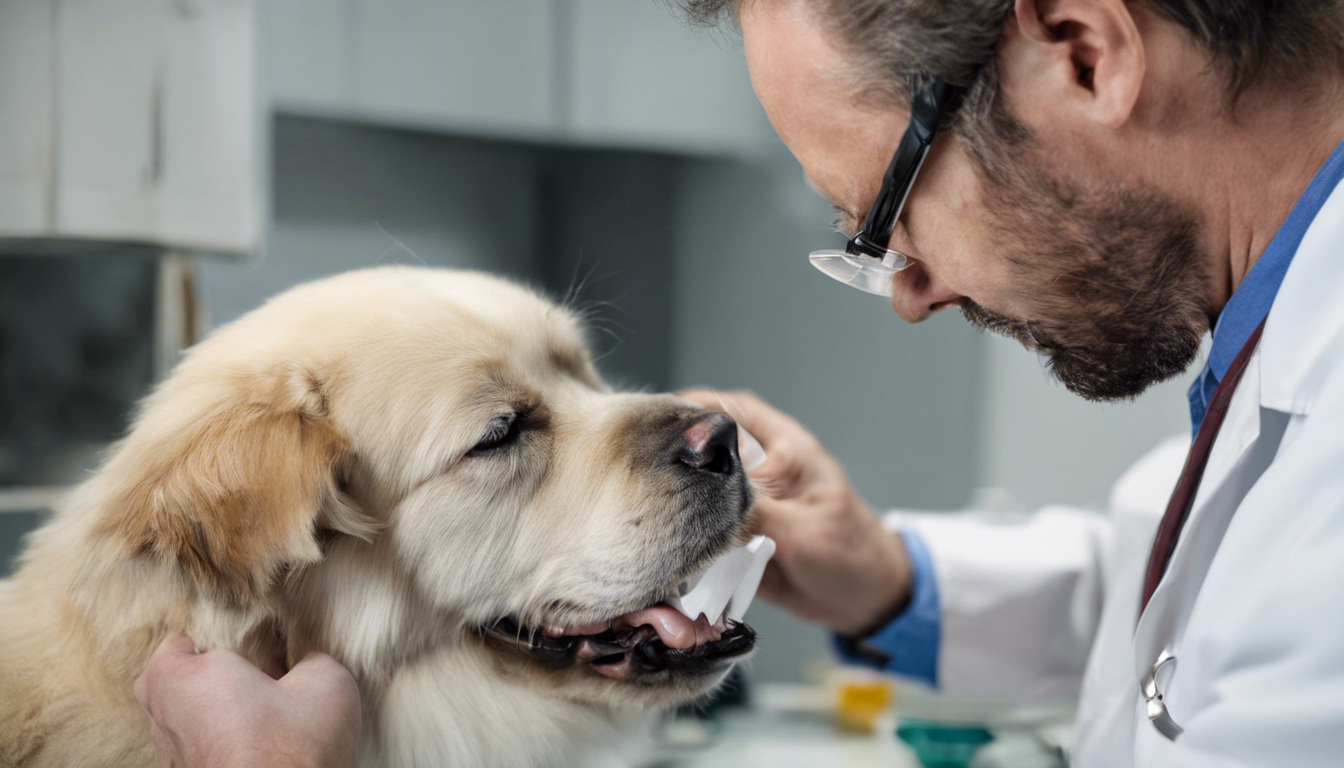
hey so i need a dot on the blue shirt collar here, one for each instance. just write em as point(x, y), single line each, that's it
point(1251, 301)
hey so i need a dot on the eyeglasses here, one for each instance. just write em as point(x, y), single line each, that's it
point(867, 263)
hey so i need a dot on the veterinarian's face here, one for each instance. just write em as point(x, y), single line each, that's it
point(1102, 280)
point(540, 511)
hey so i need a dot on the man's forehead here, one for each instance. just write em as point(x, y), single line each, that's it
point(797, 69)
point(842, 206)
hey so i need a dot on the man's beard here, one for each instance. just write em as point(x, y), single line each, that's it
point(1115, 280)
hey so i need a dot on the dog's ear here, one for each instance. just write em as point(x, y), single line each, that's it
point(234, 485)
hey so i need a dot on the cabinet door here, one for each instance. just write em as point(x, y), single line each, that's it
point(109, 87)
point(457, 64)
point(26, 86)
point(641, 77)
point(157, 123)
point(209, 195)
point(307, 54)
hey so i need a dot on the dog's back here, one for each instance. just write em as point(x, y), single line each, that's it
point(61, 703)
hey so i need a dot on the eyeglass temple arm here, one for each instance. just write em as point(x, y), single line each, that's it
point(926, 112)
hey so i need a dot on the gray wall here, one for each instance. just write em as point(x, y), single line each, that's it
point(13, 527)
point(607, 227)
point(342, 193)
point(1044, 445)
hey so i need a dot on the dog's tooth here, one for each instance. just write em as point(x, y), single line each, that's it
point(588, 650)
point(594, 648)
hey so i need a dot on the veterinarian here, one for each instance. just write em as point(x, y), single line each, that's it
point(1107, 181)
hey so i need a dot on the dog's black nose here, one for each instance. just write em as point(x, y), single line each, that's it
point(709, 444)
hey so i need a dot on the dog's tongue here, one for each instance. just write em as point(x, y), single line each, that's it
point(673, 628)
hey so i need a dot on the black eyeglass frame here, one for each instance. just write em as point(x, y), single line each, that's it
point(928, 106)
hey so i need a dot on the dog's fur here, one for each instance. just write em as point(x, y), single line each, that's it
point(307, 477)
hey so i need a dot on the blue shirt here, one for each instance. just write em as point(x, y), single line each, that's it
point(908, 645)
point(1253, 297)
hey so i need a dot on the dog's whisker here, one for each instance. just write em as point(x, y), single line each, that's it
point(397, 244)
point(570, 293)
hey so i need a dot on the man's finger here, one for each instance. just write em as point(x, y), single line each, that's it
point(176, 645)
point(773, 584)
point(767, 518)
point(170, 651)
point(323, 682)
point(168, 751)
point(319, 672)
point(141, 691)
point(762, 420)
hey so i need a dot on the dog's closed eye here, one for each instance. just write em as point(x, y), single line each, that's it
point(502, 433)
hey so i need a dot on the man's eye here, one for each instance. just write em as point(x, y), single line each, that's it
point(840, 221)
point(503, 432)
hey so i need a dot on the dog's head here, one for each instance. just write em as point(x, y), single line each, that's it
point(392, 460)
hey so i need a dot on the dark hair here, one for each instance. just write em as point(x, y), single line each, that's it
point(897, 43)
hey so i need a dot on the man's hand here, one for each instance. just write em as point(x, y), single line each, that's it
point(834, 564)
point(216, 710)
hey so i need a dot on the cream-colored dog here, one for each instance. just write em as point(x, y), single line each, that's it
point(416, 471)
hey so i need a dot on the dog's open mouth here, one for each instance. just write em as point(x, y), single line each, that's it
point(655, 639)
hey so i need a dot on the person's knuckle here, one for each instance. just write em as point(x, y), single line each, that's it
point(783, 452)
point(329, 677)
point(790, 473)
point(326, 664)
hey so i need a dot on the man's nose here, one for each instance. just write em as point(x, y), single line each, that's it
point(915, 294)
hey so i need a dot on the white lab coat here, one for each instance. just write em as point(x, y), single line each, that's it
point(1252, 604)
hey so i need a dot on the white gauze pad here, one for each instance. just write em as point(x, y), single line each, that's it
point(726, 588)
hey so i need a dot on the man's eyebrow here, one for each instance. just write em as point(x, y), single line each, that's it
point(840, 213)
point(839, 218)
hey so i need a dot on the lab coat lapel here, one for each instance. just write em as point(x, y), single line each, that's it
point(1219, 494)
point(1307, 317)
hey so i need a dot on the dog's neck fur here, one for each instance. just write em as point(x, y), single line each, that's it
point(68, 667)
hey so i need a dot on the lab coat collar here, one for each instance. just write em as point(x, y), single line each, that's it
point(1305, 326)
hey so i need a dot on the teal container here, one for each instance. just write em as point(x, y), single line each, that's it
point(942, 744)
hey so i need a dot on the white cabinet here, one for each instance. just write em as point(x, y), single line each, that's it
point(466, 64)
point(640, 76)
point(212, 191)
point(592, 72)
point(108, 124)
point(26, 55)
point(152, 127)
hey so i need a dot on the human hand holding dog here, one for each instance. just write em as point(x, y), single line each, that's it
point(834, 564)
point(217, 710)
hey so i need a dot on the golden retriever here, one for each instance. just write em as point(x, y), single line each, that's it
point(417, 471)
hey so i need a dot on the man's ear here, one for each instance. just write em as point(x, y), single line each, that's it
point(1080, 56)
point(236, 491)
